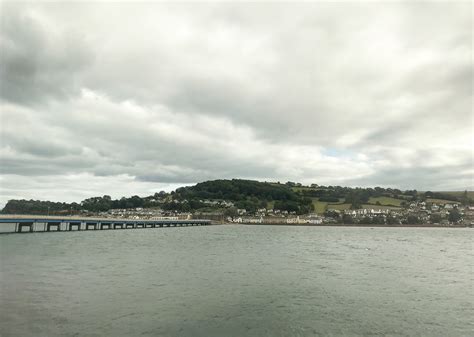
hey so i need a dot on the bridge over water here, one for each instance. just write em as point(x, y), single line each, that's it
point(24, 224)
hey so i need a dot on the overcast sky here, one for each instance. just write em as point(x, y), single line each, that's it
point(125, 99)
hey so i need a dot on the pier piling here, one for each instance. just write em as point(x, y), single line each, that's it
point(118, 225)
point(105, 225)
point(91, 224)
point(28, 225)
point(73, 225)
point(51, 225)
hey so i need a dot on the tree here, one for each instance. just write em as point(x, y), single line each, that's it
point(392, 220)
point(347, 219)
point(465, 198)
point(378, 220)
point(413, 220)
point(365, 220)
point(435, 218)
point(231, 212)
point(357, 197)
point(454, 216)
point(356, 205)
point(332, 214)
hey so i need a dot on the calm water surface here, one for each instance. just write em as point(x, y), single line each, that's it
point(238, 281)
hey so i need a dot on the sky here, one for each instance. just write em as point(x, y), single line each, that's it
point(133, 98)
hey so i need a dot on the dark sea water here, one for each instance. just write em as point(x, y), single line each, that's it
point(238, 281)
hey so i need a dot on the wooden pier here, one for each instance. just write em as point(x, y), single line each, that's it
point(48, 224)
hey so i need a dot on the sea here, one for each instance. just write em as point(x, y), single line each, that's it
point(238, 280)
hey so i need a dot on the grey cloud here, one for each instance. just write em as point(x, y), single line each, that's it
point(455, 177)
point(37, 64)
point(43, 166)
point(188, 92)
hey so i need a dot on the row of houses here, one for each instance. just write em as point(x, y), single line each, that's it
point(312, 219)
point(144, 213)
point(221, 203)
point(433, 206)
point(395, 215)
point(367, 212)
point(264, 212)
point(425, 212)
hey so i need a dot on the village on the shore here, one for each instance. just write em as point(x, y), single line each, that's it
point(239, 201)
point(417, 213)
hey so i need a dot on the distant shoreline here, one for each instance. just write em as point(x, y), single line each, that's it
point(350, 225)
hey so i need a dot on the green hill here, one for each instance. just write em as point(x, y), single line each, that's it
point(247, 194)
point(217, 195)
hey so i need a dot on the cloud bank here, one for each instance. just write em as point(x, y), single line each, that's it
point(126, 99)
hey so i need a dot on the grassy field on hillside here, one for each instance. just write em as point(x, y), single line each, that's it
point(385, 201)
point(319, 206)
point(340, 207)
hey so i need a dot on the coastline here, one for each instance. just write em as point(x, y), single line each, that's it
point(350, 225)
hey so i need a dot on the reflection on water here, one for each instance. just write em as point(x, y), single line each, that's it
point(238, 281)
